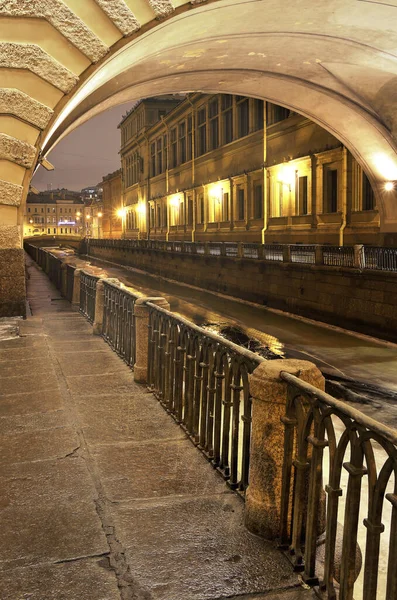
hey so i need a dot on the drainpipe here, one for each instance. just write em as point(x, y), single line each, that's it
point(344, 196)
point(167, 180)
point(265, 178)
point(193, 172)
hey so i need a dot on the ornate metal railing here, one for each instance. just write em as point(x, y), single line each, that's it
point(303, 254)
point(70, 269)
point(335, 256)
point(54, 270)
point(321, 433)
point(383, 259)
point(273, 252)
point(202, 380)
point(118, 327)
point(338, 256)
point(88, 295)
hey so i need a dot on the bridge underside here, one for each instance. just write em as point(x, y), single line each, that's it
point(62, 62)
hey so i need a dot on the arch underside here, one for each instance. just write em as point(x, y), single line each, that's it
point(63, 61)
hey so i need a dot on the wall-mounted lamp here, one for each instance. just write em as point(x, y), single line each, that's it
point(99, 214)
point(389, 186)
point(141, 208)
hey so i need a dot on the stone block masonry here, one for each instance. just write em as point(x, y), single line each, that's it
point(364, 301)
point(12, 283)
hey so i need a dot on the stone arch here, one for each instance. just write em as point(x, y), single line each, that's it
point(62, 61)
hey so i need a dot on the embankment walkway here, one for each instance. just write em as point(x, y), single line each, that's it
point(102, 497)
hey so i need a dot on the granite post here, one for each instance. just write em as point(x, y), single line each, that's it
point(76, 288)
point(141, 313)
point(99, 308)
point(269, 400)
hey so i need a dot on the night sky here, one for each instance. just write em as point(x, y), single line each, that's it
point(85, 155)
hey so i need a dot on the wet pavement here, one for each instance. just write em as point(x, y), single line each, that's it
point(102, 497)
point(363, 364)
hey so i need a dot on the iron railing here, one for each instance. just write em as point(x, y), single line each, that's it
point(70, 269)
point(367, 257)
point(319, 433)
point(119, 322)
point(383, 259)
point(303, 254)
point(88, 295)
point(202, 380)
point(338, 256)
point(54, 270)
point(273, 252)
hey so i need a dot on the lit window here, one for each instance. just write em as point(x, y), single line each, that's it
point(242, 116)
point(301, 194)
point(213, 124)
point(258, 201)
point(202, 131)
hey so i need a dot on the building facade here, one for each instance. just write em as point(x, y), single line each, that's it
point(47, 213)
point(113, 213)
point(222, 167)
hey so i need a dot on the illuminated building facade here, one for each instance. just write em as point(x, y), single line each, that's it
point(49, 214)
point(222, 167)
point(112, 220)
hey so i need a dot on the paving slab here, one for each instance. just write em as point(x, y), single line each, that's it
point(19, 384)
point(105, 362)
point(54, 532)
point(28, 403)
point(198, 549)
point(86, 579)
point(124, 417)
point(88, 385)
point(38, 445)
point(175, 466)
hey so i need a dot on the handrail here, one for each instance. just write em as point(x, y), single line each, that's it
point(214, 336)
point(361, 418)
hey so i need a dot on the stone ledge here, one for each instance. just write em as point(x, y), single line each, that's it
point(15, 102)
point(10, 193)
point(16, 151)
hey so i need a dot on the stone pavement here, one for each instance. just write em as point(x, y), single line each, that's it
point(102, 497)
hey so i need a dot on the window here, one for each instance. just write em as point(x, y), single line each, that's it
point(173, 149)
point(190, 211)
point(225, 207)
point(182, 142)
point(48, 230)
point(227, 118)
point(48, 210)
point(258, 108)
point(368, 197)
point(160, 156)
point(29, 209)
point(158, 215)
point(152, 159)
point(165, 215)
point(258, 201)
point(213, 111)
point(202, 132)
point(61, 230)
point(189, 138)
point(301, 195)
point(242, 116)
point(42, 210)
point(165, 152)
point(276, 113)
point(60, 210)
point(151, 216)
point(330, 190)
point(200, 209)
point(240, 203)
point(55, 230)
point(48, 219)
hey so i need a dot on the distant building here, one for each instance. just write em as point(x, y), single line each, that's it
point(222, 167)
point(52, 213)
point(112, 220)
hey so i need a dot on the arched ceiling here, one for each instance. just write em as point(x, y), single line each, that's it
point(62, 61)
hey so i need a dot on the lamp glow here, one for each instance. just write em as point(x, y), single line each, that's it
point(141, 208)
point(121, 212)
point(99, 214)
point(389, 186)
point(88, 217)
